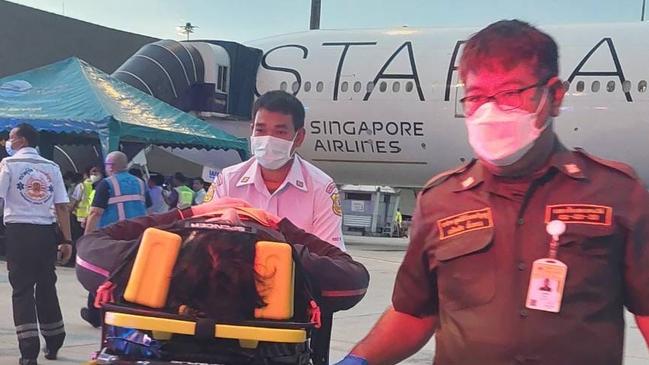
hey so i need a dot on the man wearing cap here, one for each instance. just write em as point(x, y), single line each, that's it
point(278, 180)
point(487, 235)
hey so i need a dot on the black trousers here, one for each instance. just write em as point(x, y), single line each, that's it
point(31, 256)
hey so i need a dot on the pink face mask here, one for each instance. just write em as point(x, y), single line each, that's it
point(503, 137)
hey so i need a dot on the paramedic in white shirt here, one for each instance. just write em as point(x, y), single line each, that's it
point(278, 180)
point(35, 198)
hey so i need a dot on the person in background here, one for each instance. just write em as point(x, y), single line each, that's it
point(67, 182)
point(158, 204)
point(34, 198)
point(199, 189)
point(398, 221)
point(181, 196)
point(138, 173)
point(78, 207)
point(118, 197)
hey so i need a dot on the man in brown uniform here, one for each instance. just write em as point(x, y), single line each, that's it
point(479, 250)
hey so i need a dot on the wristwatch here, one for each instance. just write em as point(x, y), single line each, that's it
point(66, 242)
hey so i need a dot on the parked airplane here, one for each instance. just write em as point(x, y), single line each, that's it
point(383, 105)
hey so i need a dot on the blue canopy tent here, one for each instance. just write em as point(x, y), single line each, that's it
point(74, 103)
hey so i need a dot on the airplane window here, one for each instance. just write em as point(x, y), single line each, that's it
point(580, 86)
point(409, 86)
point(626, 86)
point(283, 86)
point(396, 86)
point(295, 87)
point(370, 86)
point(319, 86)
point(642, 86)
point(610, 86)
point(307, 86)
point(357, 86)
point(344, 86)
point(566, 85)
point(383, 86)
point(595, 86)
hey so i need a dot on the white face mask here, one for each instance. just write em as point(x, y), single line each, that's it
point(95, 178)
point(271, 152)
point(8, 148)
point(501, 138)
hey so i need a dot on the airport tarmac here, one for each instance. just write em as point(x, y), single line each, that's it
point(381, 256)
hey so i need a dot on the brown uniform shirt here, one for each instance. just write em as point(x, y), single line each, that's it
point(475, 237)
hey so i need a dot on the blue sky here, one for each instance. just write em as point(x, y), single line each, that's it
point(242, 20)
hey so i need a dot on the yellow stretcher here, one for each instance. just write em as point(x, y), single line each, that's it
point(268, 339)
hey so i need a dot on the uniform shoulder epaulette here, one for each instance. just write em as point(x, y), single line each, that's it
point(440, 178)
point(616, 165)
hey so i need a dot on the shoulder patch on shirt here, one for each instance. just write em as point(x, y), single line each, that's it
point(210, 193)
point(472, 220)
point(600, 215)
point(440, 178)
point(335, 204)
point(616, 165)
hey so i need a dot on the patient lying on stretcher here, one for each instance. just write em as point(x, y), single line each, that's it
point(214, 275)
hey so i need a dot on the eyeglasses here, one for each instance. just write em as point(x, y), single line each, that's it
point(505, 100)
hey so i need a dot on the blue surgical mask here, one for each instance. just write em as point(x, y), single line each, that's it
point(10, 151)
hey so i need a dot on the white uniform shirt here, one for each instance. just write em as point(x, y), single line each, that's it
point(30, 185)
point(308, 197)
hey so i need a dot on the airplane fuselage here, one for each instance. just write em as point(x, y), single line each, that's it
point(383, 105)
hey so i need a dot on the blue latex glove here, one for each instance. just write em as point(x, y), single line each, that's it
point(352, 360)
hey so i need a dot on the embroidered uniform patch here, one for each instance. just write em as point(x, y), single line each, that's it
point(580, 213)
point(210, 193)
point(465, 222)
point(335, 204)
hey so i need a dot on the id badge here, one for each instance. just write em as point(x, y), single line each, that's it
point(547, 284)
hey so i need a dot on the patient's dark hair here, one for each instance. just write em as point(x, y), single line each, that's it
point(215, 275)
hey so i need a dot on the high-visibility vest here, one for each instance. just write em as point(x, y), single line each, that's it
point(83, 208)
point(126, 199)
point(185, 197)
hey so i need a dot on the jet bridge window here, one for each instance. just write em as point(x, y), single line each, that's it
point(595, 86)
point(307, 86)
point(642, 86)
point(580, 86)
point(610, 86)
point(222, 79)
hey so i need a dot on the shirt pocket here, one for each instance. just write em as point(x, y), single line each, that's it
point(465, 270)
point(588, 240)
